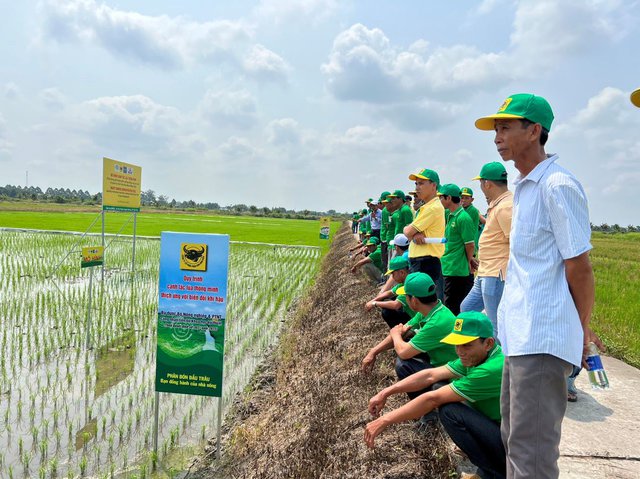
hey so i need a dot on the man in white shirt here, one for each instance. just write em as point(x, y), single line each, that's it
point(545, 310)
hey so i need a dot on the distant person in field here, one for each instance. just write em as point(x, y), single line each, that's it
point(417, 343)
point(384, 223)
point(635, 97)
point(374, 217)
point(544, 314)
point(393, 303)
point(469, 406)
point(372, 264)
point(355, 218)
point(493, 252)
point(458, 263)
point(427, 223)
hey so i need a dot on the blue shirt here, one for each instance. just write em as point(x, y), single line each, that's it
point(550, 224)
point(375, 218)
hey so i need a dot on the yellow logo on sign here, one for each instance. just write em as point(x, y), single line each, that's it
point(458, 325)
point(193, 257)
point(505, 105)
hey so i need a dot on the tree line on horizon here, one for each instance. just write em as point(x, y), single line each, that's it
point(149, 198)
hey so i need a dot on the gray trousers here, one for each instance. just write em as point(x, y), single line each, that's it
point(532, 403)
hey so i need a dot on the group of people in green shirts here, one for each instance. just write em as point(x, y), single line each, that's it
point(448, 363)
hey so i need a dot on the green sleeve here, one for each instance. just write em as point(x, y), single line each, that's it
point(428, 336)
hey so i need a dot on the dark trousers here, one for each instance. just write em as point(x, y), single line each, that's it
point(407, 367)
point(384, 247)
point(478, 436)
point(456, 289)
point(394, 317)
point(354, 227)
point(431, 266)
point(375, 233)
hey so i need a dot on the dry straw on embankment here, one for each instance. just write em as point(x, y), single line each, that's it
point(306, 414)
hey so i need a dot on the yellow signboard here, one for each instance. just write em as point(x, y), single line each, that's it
point(92, 256)
point(325, 223)
point(120, 186)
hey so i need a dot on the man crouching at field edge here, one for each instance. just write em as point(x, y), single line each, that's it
point(476, 377)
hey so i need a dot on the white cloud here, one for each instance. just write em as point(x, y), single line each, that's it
point(263, 64)
point(600, 143)
point(284, 131)
point(365, 66)
point(162, 41)
point(52, 99)
point(5, 145)
point(283, 11)
point(235, 108)
point(239, 150)
point(11, 91)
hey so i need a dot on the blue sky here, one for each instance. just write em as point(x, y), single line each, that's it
point(313, 104)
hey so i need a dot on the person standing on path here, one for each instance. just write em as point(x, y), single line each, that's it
point(493, 252)
point(428, 223)
point(458, 263)
point(543, 318)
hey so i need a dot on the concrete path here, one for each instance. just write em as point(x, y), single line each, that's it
point(601, 432)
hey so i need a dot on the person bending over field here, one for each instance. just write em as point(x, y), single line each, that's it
point(393, 303)
point(468, 407)
point(417, 343)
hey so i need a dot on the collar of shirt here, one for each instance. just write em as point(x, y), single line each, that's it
point(495, 202)
point(435, 309)
point(454, 214)
point(535, 174)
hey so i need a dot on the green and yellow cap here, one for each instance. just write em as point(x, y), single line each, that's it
point(468, 327)
point(523, 106)
point(383, 196)
point(397, 263)
point(466, 191)
point(371, 242)
point(635, 97)
point(400, 291)
point(426, 174)
point(449, 190)
point(420, 285)
point(494, 171)
point(397, 194)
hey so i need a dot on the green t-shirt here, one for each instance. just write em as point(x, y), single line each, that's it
point(480, 385)
point(391, 228)
point(474, 214)
point(430, 330)
point(376, 257)
point(459, 230)
point(403, 299)
point(404, 218)
point(384, 224)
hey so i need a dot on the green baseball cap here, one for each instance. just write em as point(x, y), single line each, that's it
point(363, 212)
point(494, 171)
point(466, 191)
point(383, 196)
point(449, 190)
point(420, 285)
point(371, 242)
point(426, 174)
point(635, 97)
point(374, 239)
point(397, 263)
point(522, 105)
point(397, 194)
point(468, 327)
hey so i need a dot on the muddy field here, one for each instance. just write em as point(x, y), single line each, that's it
point(305, 413)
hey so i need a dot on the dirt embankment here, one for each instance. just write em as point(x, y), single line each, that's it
point(305, 416)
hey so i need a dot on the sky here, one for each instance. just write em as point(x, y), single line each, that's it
point(312, 104)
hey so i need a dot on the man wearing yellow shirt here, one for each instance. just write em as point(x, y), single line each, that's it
point(493, 253)
point(428, 223)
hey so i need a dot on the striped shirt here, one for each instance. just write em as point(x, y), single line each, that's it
point(550, 224)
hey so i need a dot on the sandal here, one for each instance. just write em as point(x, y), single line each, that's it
point(572, 397)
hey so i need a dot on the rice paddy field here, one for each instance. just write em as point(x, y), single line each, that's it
point(77, 382)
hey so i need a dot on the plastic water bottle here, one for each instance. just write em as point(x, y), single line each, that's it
point(597, 374)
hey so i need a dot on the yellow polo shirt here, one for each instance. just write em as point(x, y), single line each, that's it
point(429, 220)
point(493, 253)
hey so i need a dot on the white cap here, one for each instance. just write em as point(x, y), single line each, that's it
point(399, 240)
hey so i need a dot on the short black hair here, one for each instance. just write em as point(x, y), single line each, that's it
point(455, 199)
point(426, 299)
point(544, 135)
point(403, 248)
point(499, 182)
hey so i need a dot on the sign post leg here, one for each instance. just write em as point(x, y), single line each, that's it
point(218, 445)
point(155, 424)
point(88, 325)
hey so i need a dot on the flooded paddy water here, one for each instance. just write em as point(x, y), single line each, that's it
point(77, 384)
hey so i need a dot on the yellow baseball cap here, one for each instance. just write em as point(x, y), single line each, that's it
point(635, 97)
